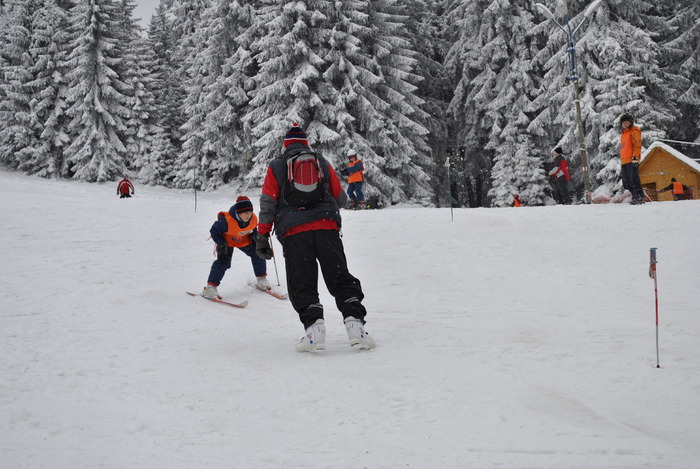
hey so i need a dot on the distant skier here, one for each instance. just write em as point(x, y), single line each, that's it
point(677, 189)
point(355, 173)
point(516, 201)
point(125, 189)
point(236, 228)
point(630, 154)
point(301, 196)
point(560, 175)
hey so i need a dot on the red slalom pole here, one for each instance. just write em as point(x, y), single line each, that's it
point(652, 274)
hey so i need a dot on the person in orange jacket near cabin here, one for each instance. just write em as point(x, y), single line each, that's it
point(630, 155)
point(677, 189)
point(236, 228)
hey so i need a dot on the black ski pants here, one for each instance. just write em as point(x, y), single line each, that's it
point(303, 253)
point(631, 182)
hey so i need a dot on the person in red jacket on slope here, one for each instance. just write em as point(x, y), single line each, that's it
point(560, 174)
point(125, 188)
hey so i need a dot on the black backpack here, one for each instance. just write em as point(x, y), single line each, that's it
point(303, 182)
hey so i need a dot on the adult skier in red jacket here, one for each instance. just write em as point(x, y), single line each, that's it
point(310, 237)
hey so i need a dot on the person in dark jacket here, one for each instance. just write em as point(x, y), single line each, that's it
point(677, 189)
point(125, 189)
point(560, 175)
point(310, 236)
point(236, 228)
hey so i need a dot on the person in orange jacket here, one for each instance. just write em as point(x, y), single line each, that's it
point(125, 189)
point(630, 154)
point(516, 201)
point(677, 189)
point(355, 173)
point(236, 228)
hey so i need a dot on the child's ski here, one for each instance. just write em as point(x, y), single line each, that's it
point(279, 296)
point(216, 300)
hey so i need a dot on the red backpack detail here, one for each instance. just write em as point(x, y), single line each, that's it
point(303, 184)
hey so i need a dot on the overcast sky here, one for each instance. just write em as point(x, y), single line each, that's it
point(145, 9)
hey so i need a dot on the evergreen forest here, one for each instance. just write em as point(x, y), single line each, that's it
point(442, 99)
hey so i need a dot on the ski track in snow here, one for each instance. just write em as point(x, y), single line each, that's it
point(509, 338)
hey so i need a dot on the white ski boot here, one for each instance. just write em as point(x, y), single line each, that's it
point(263, 284)
point(357, 335)
point(210, 292)
point(315, 338)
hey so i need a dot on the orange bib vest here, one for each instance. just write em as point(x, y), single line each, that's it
point(630, 144)
point(235, 236)
point(516, 202)
point(678, 188)
point(356, 177)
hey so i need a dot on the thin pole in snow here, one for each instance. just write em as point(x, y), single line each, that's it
point(194, 185)
point(652, 274)
point(449, 187)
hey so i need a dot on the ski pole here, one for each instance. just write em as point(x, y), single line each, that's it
point(274, 261)
point(449, 187)
point(652, 274)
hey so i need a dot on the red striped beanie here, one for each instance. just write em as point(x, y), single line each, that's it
point(296, 135)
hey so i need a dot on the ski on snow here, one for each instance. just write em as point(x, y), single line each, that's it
point(216, 300)
point(279, 296)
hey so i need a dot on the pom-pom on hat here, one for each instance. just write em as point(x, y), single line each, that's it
point(243, 204)
point(296, 135)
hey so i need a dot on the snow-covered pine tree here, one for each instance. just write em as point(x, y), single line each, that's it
point(193, 71)
point(96, 95)
point(684, 61)
point(148, 149)
point(135, 75)
point(493, 99)
point(19, 128)
point(473, 82)
point(402, 142)
point(48, 50)
point(425, 27)
point(342, 70)
point(214, 140)
point(167, 88)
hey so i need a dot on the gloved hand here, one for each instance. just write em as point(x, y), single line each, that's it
point(254, 236)
point(224, 250)
point(263, 248)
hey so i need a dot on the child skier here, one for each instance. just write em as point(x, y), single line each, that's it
point(236, 228)
point(355, 173)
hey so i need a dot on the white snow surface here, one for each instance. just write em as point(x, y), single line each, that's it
point(507, 338)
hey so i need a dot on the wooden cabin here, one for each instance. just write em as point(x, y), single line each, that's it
point(659, 164)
